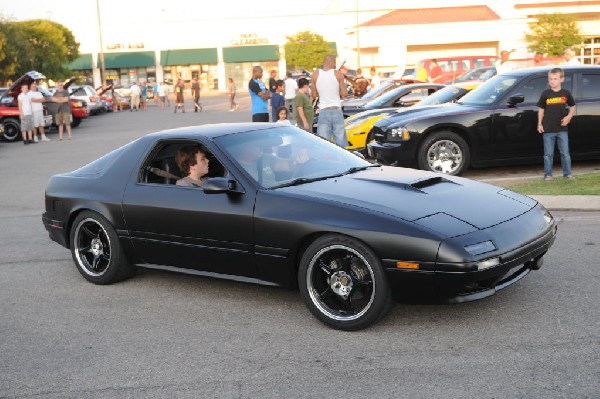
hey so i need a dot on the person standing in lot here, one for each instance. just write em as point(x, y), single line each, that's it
point(277, 100)
point(196, 95)
point(273, 81)
point(232, 90)
point(155, 95)
point(179, 88)
point(435, 72)
point(63, 115)
point(290, 94)
point(329, 87)
point(26, 115)
point(259, 95)
point(167, 91)
point(570, 58)
point(135, 97)
point(553, 121)
point(421, 72)
point(161, 94)
point(503, 64)
point(37, 108)
point(144, 96)
point(303, 106)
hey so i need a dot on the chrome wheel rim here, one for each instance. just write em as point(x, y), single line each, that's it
point(341, 283)
point(444, 156)
point(92, 247)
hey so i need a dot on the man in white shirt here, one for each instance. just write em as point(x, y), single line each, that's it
point(291, 87)
point(503, 64)
point(570, 58)
point(26, 115)
point(329, 86)
point(135, 97)
point(37, 108)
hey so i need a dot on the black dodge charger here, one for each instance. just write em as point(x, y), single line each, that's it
point(495, 124)
point(280, 206)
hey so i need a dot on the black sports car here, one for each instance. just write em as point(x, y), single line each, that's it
point(280, 206)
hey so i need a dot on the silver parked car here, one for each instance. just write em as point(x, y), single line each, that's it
point(88, 94)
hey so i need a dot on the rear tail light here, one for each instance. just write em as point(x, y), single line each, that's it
point(93, 99)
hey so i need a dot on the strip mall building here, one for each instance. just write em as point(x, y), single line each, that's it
point(375, 33)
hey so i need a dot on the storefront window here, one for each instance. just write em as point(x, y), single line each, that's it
point(590, 53)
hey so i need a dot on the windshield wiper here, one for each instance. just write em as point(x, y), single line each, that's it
point(301, 180)
point(355, 169)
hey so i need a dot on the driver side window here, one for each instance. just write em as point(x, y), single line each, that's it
point(161, 166)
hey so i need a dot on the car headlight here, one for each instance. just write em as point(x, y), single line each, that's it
point(399, 133)
point(487, 263)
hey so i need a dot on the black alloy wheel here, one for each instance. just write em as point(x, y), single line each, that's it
point(343, 283)
point(12, 129)
point(96, 250)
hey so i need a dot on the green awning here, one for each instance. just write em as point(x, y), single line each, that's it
point(189, 56)
point(126, 60)
point(251, 53)
point(84, 61)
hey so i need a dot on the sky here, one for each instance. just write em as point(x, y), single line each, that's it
point(80, 16)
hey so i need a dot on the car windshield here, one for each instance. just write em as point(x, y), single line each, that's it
point(285, 155)
point(442, 96)
point(378, 91)
point(490, 91)
point(386, 97)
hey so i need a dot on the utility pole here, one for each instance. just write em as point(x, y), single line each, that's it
point(102, 65)
point(357, 40)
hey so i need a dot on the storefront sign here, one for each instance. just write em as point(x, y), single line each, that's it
point(123, 46)
point(247, 39)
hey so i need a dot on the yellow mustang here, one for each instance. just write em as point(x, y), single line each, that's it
point(358, 127)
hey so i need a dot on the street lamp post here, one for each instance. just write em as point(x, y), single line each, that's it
point(102, 65)
point(357, 40)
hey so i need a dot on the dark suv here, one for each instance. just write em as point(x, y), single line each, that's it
point(494, 124)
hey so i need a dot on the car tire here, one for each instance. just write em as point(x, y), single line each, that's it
point(76, 122)
point(444, 152)
point(96, 250)
point(12, 129)
point(343, 283)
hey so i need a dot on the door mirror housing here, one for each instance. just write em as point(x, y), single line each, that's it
point(217, 185)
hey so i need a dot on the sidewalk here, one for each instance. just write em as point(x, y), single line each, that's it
point(561, 202)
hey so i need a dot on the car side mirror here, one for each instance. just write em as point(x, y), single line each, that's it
point(218, 185)
point(516, 99)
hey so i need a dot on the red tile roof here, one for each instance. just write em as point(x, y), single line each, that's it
point(415, 16)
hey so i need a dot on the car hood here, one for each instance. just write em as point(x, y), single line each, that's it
point(447, 204)
point(403, 118)
point(15, 89)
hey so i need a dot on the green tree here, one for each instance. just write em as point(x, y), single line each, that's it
point(306, 50)
point(552, 33)
point(40, 45)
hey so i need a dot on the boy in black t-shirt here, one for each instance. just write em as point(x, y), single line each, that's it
point(553, 118)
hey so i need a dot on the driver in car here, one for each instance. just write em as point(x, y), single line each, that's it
point(192, 162)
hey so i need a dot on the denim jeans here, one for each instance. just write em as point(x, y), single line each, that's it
point(562, 139)
point(331, 123)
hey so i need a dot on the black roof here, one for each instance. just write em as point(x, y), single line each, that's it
point(547, 68)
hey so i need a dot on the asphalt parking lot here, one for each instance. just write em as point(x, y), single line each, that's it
point(163, 335)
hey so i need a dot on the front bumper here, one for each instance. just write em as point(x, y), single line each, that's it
point(388, 153)
point(521, 244)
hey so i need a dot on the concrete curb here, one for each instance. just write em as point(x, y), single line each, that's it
point(569, 202)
